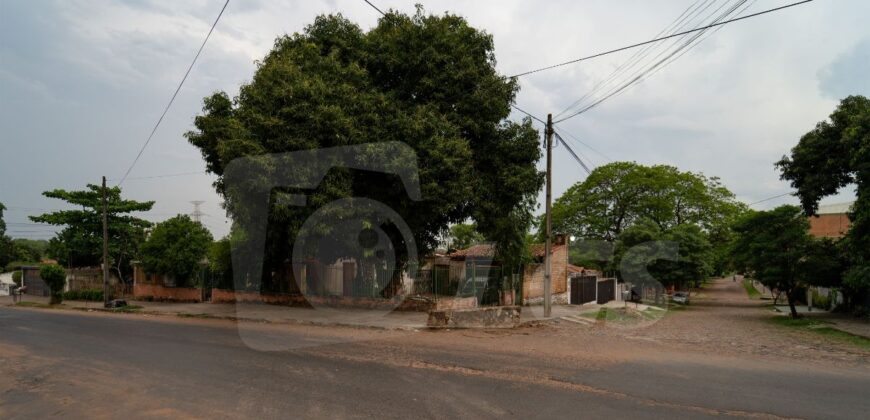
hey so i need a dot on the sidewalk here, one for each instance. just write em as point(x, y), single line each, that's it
point(253, 312)
point(838, 321)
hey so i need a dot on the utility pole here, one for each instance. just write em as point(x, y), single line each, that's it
point(105, 248)
point(548, 268)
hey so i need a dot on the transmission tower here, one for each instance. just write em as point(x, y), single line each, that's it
point(197, 213)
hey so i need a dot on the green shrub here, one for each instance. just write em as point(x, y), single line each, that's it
point(54, 277)
point(88, 295)
point(16, 277)
point(822, 302)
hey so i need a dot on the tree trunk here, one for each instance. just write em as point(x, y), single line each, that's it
point(791, 306)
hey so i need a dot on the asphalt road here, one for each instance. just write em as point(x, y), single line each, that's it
point(61, 363)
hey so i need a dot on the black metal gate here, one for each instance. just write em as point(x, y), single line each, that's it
point(582, 290)
point(606, 290)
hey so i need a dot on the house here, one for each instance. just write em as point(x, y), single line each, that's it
point(476, 271)
point(6, 283)
point(831, 221)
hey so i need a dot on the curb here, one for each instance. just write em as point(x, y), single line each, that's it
point(224, 318)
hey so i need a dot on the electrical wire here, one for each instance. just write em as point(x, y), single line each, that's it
point(375, 7)
point(770, 198)
point(573, 154)
point(174, 95)
point(639, 44)
point(637, 77)
point(674, 26)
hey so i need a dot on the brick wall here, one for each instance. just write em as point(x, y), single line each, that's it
point(171, 294)
point(829, 225)
point(533, 276)
point(230, 296)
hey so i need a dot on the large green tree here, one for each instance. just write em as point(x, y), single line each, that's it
point(616, 195)
point(427, 81)
point(29, 249)
point(833, 155)
point(80, 243)
point(775, 247)
point(689, 264)
point(176, 247)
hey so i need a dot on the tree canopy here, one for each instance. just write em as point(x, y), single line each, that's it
point(775, 247)
point(80, 242)
point(830, 157)
point(672, 205)
point(464, 235)
point(427, 81)
point(176, 247)
point(617, 195)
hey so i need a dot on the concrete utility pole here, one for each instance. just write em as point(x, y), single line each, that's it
point(548, 269)
point(105, 247)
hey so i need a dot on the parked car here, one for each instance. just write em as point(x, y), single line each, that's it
point(681, 298)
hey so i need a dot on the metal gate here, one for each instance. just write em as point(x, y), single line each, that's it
point(582, 290)
point(606, 289)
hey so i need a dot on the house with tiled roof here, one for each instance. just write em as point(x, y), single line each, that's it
point(478, 263)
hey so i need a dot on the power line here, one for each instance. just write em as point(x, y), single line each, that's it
point(647, 50)
point(178, 89)
point(573, 154)
point(567, 146)
point(529, 114)
point(375, 7)
point(638, 76)
point(674, 26)
point(658, 39)
point(770, 198)
point(608, 158)
point(167, 175)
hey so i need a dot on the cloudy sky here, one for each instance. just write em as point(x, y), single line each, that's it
point(82, 83)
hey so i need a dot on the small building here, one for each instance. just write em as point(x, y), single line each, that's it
point(831, 221)
point(475, 270)
point(6, 283)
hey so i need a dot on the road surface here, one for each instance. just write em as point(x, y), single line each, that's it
point(91, 365)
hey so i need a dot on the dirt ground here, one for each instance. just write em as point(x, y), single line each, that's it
point(721, 321)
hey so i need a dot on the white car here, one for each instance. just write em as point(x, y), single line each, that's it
point(681, 298)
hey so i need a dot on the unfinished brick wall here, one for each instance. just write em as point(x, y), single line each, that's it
point(169, 294)
point(533, 275)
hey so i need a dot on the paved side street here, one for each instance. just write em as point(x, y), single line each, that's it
point(720, 357)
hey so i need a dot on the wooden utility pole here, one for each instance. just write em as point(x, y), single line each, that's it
point(548, 268)
point(105, 247)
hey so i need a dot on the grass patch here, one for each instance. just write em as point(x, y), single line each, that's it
point(822, 328)
point(751, 290)
point(623, 315)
